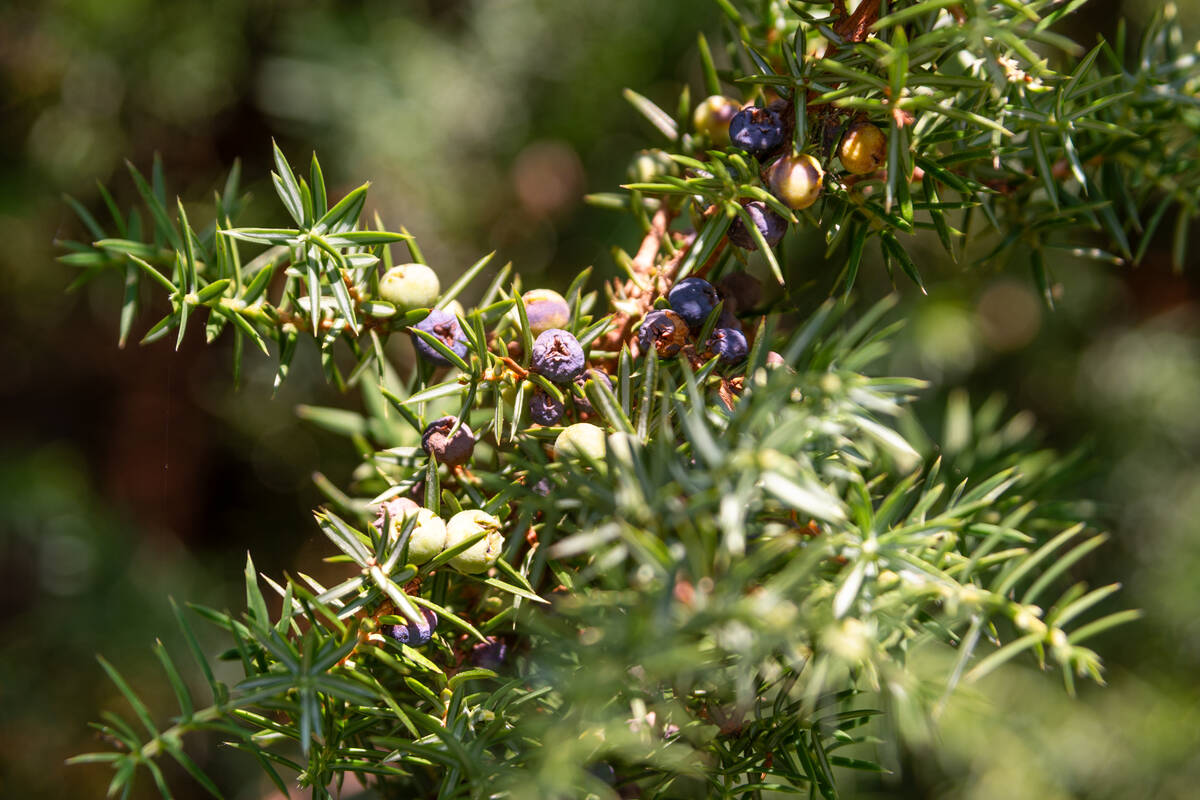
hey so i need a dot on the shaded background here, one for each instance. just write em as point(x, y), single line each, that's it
point(130, 475)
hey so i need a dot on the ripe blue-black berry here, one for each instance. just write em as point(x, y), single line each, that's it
point(445, 327)
point(665, 331)
point(413, 634)
point(450, 450)
point(728, 319)
point(544, 409)
point(728, 344)
point(557, 355)
point(769, 224)
point(693, 299)
point(740, 290)
point(489, 654)
point(758, 131)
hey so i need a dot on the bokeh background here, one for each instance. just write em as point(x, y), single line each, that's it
point(127, 476)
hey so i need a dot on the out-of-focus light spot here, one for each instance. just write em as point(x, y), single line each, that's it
point(1010, 315)
point(67, 144)
point(93, 83)
point(946, 339)
point(548, 178)
point(66, 559)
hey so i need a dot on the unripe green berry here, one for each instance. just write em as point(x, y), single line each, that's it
point(481, 555)
point(796, 180)
point(711, 118)
point(648, 165)
point(410, 286)
point(582, 440)
point(864, 149)
point(428, 537)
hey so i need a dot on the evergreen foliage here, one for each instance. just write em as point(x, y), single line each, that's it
point(725, 597)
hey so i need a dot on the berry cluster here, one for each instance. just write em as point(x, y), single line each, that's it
point(558, 382)
point(795, 179)
point(692, 302)
point(429, 535)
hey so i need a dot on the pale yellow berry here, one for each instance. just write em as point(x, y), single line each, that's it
point(711, 118)
point(428, 537)
point(864, 149)
point(481, 555)
point(410, 286)
point(796, 180)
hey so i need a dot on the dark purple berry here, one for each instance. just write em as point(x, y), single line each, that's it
point(413, 634)
point(728, 319)
point(447, 449)
point(489, 654)
point(582, 404)
point(665, 331)
point(445, 327)
point(769, 224)
point(741, 290)
point(544, 409)
point(758, 131)
point(693, 299)
point(557, 356)
point(393, 510)
point(728, 344)
point(602, 770)
point(545, 309)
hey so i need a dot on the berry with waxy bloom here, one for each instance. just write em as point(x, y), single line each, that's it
point(796, 180)
point(446, 328)
point(410, 286)
point(769, 224)
point(413, 634)
point(448, 449)
point(580, 441)
point(481, 555)
point(728, 344)
point(544, 408)
point(393, 509)
point(663, 330)
point(693, 299)
point(712, 117)
point(545, 309)
point(557, 355)
point(863, 149)
point(758, 131)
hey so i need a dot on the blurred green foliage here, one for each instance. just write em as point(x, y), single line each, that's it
point(482, 124)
